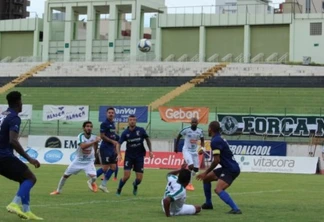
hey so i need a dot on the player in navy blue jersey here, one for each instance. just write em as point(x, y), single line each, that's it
point(225, 175)
point(134, 137)
point(109, 149)
point(10, 166)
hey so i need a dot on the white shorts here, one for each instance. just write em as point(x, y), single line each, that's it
point(76, 167)
point(191, 158)
point(185, 210)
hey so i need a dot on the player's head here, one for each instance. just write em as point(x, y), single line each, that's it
point(110, 113)
point(184, 177)
point(14, 100)
point(132, 120)
point(194, 123)
point(214, 127)
point(87, 127)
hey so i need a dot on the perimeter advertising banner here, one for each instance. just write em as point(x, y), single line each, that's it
point(272, 125)
point(122, 113)
point(184, 114)
point(25, 114)
point(246, 147)
point(66, 113)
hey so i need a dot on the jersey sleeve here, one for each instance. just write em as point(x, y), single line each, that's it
point(216, 146)
point(103, 128)
point(177, 193)
point(117, 137)
point(14, 124)
point(183, 132)
point(145, 134)
point(122, 138)
point(80, 139)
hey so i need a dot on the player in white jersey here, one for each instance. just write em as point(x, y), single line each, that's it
point(84, 159)
point(173, 203)
point(190, 148)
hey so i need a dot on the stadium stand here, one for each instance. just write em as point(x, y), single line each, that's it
point(21, 78)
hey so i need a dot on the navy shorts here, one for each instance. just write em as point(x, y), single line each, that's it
point(107, 156)
point(226, 175)
point(13, 168)
point(135, 163)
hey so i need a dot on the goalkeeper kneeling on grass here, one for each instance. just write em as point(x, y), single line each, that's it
point(173, 203)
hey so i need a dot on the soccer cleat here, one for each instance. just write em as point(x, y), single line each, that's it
point(15, 209)
point(55, 193)
point(134, 189)
point(32, 216)
point(104, 189)
point(235, 211)
point(118, 192)
point(190, 187)
point(207, 206)
point(94, 187)
point(115, 179)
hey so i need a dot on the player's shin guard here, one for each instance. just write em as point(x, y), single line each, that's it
point(208, 193)
point(227, 199)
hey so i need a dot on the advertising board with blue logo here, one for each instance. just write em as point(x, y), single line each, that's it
point(122, 113)
point(253, 148)
point(52, 149)
point(66, 113)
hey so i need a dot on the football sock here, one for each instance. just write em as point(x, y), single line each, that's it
point(137, 182)
point(16, 200)
point(107, 177)
point(227, 199)
point(61, 184)
point(116, 172)
point(99, 172)
point(207, 191)
point(24, 193)
point(121, 184)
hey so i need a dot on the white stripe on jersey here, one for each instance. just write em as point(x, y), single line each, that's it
point(176, 192)
point(85, 155)
point(191, 138)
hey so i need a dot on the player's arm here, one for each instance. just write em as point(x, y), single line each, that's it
point(216, 151)
point(85, 145)
point(202, 139)
point(166, 205)
point(176, 172)
point(176, 144)
point(14, 142)
point(148, 142)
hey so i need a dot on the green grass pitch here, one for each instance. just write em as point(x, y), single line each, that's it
point(262, 197)
point(225, 99)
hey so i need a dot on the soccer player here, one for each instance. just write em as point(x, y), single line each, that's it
point(109, 149)
point(134, 137)
point(173, 203)
point(10, 166)
point(84, 159)
point(225, 175)
point(190, 153)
